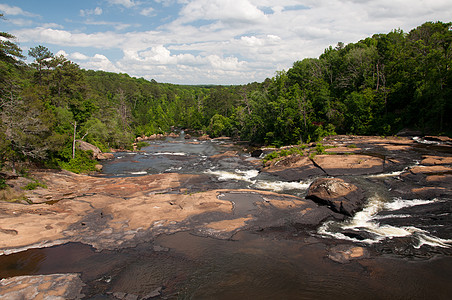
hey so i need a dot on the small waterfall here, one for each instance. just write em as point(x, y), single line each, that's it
point(367, 223)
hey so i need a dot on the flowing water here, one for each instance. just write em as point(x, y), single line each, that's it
point(274, 263)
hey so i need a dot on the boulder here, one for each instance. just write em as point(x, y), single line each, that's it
point(82, 145)
point(338, 195)
point(346, 253)
point(409, 132)
point(256, 153)
point(204, 137)
point(97, 154)
point(103, 156)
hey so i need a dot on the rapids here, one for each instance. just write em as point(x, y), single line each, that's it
point(406, 242)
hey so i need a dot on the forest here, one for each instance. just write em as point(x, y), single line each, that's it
point(377, 86)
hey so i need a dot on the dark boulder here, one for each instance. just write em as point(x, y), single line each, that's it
point(338, 195)
point(409, 132)
point(256, 153)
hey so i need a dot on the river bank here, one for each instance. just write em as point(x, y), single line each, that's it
point(210, 189)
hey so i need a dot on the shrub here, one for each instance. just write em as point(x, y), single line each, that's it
point(320, 149)
point(82, 163)
point(3, 184)
point(34, 184)
point(284, 152)
point(141, 145)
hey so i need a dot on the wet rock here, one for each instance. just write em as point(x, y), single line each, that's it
point(256, 153)
point(443, 139)
point(408, 132)
point(158, 248)
point(404, 246)
point(431, 170)
point(346, 253)
point(359, 235)
point(154, 294)
point(119, 295)
point(423, 182)
point(430, 160)
point(56, 286)
point(340, 196)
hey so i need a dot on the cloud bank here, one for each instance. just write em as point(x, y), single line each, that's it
point(221, 41)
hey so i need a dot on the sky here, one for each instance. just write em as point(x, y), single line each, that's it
point(205, 41)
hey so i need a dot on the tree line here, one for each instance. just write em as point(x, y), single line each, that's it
point(376, 86)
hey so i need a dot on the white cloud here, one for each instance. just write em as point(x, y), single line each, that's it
point(14, 11)
point(170, 2)
point(125, 3)
point(148, 12)
point(21, 22)
point(78, 56)
point(96, 62)
point(231, 41)
point(61, 52)
point(52, 25)
point(115, 25)
point(225, 64)
point(227, 11)
point(88, 12)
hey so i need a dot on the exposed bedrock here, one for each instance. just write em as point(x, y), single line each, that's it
point(111, 213)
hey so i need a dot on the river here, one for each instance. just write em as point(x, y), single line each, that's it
point(405, 243)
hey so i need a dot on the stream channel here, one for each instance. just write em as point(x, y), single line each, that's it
point(404, 258)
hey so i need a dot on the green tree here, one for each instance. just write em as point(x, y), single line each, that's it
point(42, 56)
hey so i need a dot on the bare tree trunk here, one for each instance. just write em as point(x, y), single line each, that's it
point(73, 142)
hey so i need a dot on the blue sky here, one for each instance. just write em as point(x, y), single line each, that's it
point(205, 41)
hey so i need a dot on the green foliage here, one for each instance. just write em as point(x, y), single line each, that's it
point(320, 149)
point(34, 184)
point(10, 53)
point(284, 152)
point(142, 145)
point(82, 163)
point(219, 126)
point(378, 85)
point(3, 184)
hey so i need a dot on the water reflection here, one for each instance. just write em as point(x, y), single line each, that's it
point(261, 265)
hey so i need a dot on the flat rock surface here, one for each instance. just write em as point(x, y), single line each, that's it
point(111, 213)
point(335, 165)
point(55, 287)
point(294, 168)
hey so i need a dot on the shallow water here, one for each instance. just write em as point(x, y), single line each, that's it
point(251, 266)
point(275, 263)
